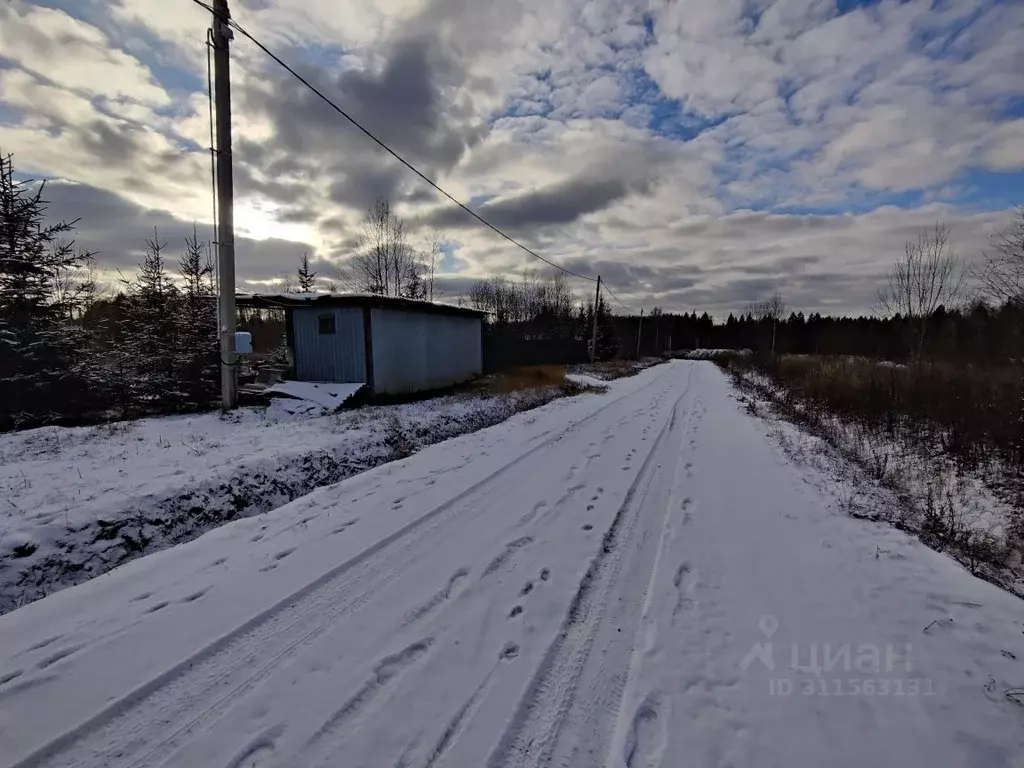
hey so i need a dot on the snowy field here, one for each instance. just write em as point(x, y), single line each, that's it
point(638, 578)
point(78, 502)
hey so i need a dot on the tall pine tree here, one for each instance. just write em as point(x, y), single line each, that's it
point(307, 277)
point(41, 298)
point(197, 349)
point(150, 331)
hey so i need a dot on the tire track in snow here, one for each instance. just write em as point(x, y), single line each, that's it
point(461, 716)
point(645, 640)
point(171, 695)
point(385, 674)
point(536, 725)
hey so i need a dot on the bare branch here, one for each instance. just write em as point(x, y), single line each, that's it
point(1000, 273)
point(926, 277)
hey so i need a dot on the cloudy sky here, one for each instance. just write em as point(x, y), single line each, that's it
point(698, 154)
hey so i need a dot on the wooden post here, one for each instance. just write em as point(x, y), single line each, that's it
point(222, 36)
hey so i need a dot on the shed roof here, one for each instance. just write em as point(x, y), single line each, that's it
point(330, 300)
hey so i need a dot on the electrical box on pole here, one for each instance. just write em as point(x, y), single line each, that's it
point(222, 36)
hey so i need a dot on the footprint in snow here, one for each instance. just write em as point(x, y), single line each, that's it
point(645, 744)
point(502, 558)
point(344, 526)
point(45, 643)
point(259, 751)
point(59, 655)
point(685, 581)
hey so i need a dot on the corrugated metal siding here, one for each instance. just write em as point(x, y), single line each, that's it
point(414, 351)
point(326, 357)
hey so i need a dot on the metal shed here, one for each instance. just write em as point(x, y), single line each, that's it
point(395, 346)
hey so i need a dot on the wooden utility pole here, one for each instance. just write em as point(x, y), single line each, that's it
point(222, 36)
point(593, 332)
point(639, 327)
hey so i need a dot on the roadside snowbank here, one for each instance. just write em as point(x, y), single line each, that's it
point(586, 380)
point(80, 501)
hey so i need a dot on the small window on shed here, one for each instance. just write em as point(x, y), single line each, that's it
point(326, 324)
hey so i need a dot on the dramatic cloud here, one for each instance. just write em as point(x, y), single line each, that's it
point(116, 230)
point(695, 153)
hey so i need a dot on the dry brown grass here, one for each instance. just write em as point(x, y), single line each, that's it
point(524, 377)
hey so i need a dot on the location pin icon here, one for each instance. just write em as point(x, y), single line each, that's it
point(768, 624)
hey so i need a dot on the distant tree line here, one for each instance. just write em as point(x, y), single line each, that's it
point(931, 307)
point(537, 320)
point(980, 333)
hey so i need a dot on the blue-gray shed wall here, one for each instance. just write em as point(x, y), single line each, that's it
point(415, 351)
point(326, 357)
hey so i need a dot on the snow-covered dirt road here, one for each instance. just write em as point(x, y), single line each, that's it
point(639, 578)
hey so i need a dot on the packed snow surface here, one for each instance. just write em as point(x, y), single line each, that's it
point(637, 578)
point(77, 502)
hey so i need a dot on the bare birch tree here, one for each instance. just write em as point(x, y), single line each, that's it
point(927, 276)
point(385, 264)
point(1000, 272)
point(770, 309)
point(431, 260)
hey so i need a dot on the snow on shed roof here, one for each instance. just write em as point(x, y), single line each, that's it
point(294, 300)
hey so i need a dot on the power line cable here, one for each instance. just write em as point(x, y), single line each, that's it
point(392, 152)
point(235, 25)
point(609, 292)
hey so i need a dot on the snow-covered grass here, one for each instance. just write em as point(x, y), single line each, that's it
point(587, 380)
point(714, 354)
point(80, 501)
point(610, 370)
point(898, 480)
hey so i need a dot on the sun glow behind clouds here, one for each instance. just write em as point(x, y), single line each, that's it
point(256, 218)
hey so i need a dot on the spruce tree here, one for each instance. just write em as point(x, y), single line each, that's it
point(307, 277)
point(150, 331)
point(607, 338)
point(196, 336)
point(41, 299)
